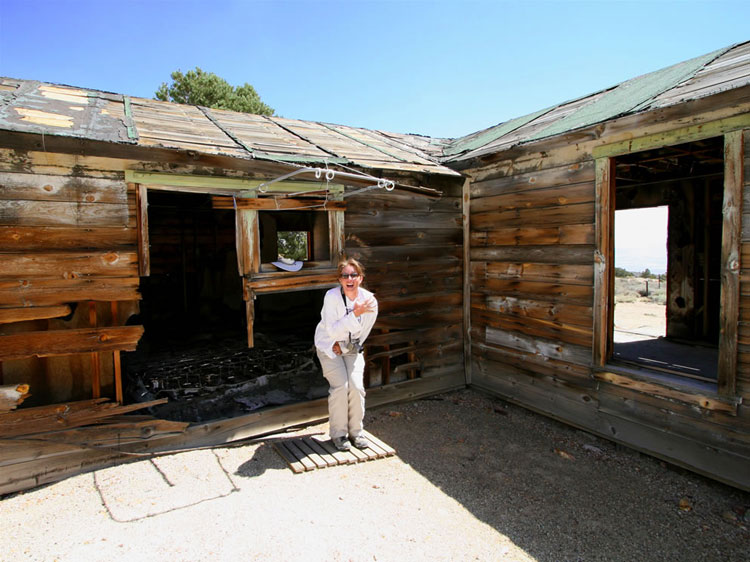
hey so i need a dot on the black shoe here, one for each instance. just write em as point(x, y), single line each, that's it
point(341, 443)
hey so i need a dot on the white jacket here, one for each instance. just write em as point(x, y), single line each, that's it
point(336, 323)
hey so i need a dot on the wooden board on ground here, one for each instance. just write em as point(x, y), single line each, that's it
point(310, 452)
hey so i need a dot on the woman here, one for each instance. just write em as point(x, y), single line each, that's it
point(348, 314)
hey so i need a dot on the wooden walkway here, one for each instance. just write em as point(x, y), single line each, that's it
point(315, 451)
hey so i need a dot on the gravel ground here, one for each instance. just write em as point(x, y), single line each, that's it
point(474, 479)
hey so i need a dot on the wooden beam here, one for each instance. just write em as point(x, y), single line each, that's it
point(65, 342)
point(730, 262)
point(96, 382)
point(248, 241)
point(9, 315)
point(336, 238)
point(603, 261)
point(466, 223)
point(274, 204)
point(141, 216)
point(224, 185)
point(250, 316)
point(675, 136)
point(116, 365)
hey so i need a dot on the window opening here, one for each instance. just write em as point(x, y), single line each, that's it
point(304, 235)
point(666, 314)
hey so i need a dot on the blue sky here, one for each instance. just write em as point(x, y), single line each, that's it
point(442, 69)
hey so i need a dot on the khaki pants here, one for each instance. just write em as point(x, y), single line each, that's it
point(346, 395)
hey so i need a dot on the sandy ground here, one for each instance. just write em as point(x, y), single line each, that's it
point(635, 321)
point(475, 478)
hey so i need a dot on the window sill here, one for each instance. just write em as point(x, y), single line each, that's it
point(695, 393)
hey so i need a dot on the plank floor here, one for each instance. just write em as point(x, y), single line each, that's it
point(309, 452)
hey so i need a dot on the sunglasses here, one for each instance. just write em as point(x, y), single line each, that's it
point(349, 275)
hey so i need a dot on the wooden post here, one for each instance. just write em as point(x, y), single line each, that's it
point(466, 208)
point(116, 358)
point(603, 261)
point(385, 373)
point(250, 316)
point(730, 262)
point(247, 234)
point(96, 383)
point(336, 236)
point(141, 219)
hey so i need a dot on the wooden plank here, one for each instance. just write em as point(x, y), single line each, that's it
point(142, 232)
point(535, 327)
point(565, 313)
point(497, 183)
point(33, 238)
point(248, 241)
point(390, 451)
point(336, 242)
point(730, 260)
point(536, 198)
point(604, 261)
point(339, 456)
point(675, 136)
point(310, 453)
point(544, 272)
point(54, 213)
point(10, 315)
point(689, 397)
point(289, 457)
point(277, 204)
point(292, 281)
point(538, 346)
point(576, 294)
point(327, 457)
point(65, 342)
point(554, 254)
point(560, 215)
point(521, 236)
point(45, 187)
point(300, 455)
point(466, 296)
point(23, 422)
point(51, 292)
point(70, 265)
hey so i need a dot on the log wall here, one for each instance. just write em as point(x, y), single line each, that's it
point(533, 217)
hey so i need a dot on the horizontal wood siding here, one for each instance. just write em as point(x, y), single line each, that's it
point(412, 247)
point(67, 238)
point(532, 305)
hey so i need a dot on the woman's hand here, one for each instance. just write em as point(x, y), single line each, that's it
point(361, 308)
point(337, 348)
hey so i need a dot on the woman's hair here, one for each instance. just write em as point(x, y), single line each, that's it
point(353, 263)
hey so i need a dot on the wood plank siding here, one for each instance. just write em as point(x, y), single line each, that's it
point(535, 249)
point(412, 247)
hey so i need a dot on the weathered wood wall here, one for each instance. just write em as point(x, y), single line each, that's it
point(412, 246)
point(532, 264)
point(70, 274)
point(67, 248)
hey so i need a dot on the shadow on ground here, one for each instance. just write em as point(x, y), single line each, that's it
point(560, 493)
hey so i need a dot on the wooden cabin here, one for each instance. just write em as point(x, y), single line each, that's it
point(544, 191)
point(131, 225)
point(127, 221)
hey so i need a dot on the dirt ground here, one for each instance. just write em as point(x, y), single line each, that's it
point(475, 478)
